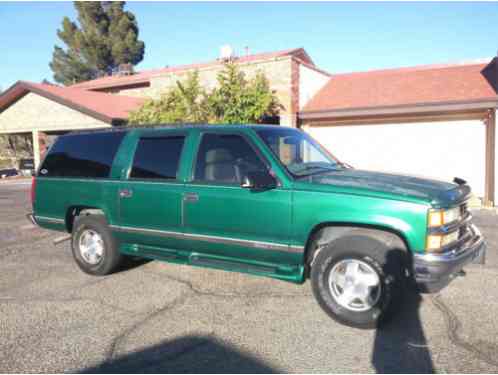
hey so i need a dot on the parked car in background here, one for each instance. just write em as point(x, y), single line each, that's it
point(27, 166)
point(264, 200)
point(8, 172)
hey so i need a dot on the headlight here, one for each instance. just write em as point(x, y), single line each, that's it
point(438, 218)
point(437, 241)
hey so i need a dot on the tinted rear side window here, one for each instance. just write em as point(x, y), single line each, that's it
point(82, 155)
point(157, 158)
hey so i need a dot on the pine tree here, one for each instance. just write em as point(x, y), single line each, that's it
point(105, 36)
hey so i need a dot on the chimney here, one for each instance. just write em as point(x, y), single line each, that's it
point(125, 69)
point(496, 65)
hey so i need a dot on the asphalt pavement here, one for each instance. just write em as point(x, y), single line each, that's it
point(159, 317)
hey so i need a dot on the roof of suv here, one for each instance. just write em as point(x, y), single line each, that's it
point(177, 127)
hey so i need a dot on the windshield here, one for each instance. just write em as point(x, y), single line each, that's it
point(298, 152)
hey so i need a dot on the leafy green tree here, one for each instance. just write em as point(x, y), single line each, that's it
point(186, 102)
point(105, 36)
point(237, 100)
point(234, 100)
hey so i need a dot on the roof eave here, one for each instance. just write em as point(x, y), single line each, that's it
point(26, 87)
point(485, 103)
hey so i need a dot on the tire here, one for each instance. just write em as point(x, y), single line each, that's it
point(93, 230)
point(342, 270)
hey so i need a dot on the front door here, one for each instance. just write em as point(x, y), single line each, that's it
point(150, 199)
point(222, 218)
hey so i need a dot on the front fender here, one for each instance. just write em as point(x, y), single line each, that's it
point(314, 209)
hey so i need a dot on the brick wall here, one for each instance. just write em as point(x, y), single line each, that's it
point(278, 71)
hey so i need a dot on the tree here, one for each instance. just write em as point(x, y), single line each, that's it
point(234, 100)
point(105, 36)
point(237, 100)
point(186, 102)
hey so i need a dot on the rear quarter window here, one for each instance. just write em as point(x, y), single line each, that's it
point(82, 155)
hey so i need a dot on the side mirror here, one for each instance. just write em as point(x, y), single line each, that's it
point(259, 180)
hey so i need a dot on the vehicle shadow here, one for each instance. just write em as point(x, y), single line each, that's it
point(130, 263)
point(400, 345)
point(188, 354)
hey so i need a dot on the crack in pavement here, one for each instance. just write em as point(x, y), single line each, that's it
point(146, 365)
point(199, 292)
point(121, 338)
point(453, 328)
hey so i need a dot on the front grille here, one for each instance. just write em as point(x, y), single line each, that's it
point(464, 230)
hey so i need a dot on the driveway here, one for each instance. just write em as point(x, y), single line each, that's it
point(159, 317)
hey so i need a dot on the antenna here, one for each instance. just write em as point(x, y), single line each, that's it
point(226, 52)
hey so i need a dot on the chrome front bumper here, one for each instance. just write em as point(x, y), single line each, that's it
point(433, 272)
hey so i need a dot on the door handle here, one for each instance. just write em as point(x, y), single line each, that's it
point(191, 197)
point(125, 193)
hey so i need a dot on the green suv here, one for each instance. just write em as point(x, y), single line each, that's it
point(265, 200)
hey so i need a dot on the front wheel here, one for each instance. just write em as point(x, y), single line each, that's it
point(355, 286)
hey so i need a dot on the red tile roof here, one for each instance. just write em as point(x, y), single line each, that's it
point(408, 86)
point(105, 107)
point(144, 77)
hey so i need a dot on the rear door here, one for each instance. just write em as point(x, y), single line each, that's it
point(150, 196)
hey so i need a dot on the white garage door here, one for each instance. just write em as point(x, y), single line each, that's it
point(440, 150)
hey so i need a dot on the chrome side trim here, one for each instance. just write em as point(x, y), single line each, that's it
point(296, 249)
point(50, 219)
point(212, 239)
point(160, 233)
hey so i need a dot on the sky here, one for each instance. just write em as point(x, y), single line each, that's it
point(339, 37)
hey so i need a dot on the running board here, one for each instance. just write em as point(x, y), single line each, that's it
point(200, 260)
point(291, 272)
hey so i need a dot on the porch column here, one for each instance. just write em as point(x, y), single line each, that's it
point(490, 166)
point(36, 148)
point(495, 112)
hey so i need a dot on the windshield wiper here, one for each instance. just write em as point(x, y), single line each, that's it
point(320, 169)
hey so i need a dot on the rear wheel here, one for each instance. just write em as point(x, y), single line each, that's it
point(358, 281)
point(94, 248)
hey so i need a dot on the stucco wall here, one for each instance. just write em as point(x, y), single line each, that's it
point(310, 81)
point(34, 112)
point(277, 71)
point(496, 159)
point(440, 150)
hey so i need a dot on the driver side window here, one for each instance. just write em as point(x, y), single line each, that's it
point(226, 159)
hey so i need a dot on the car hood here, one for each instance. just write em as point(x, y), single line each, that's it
point(438, 193)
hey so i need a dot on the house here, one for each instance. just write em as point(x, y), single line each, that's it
point(45, 111)
point(437, 120)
